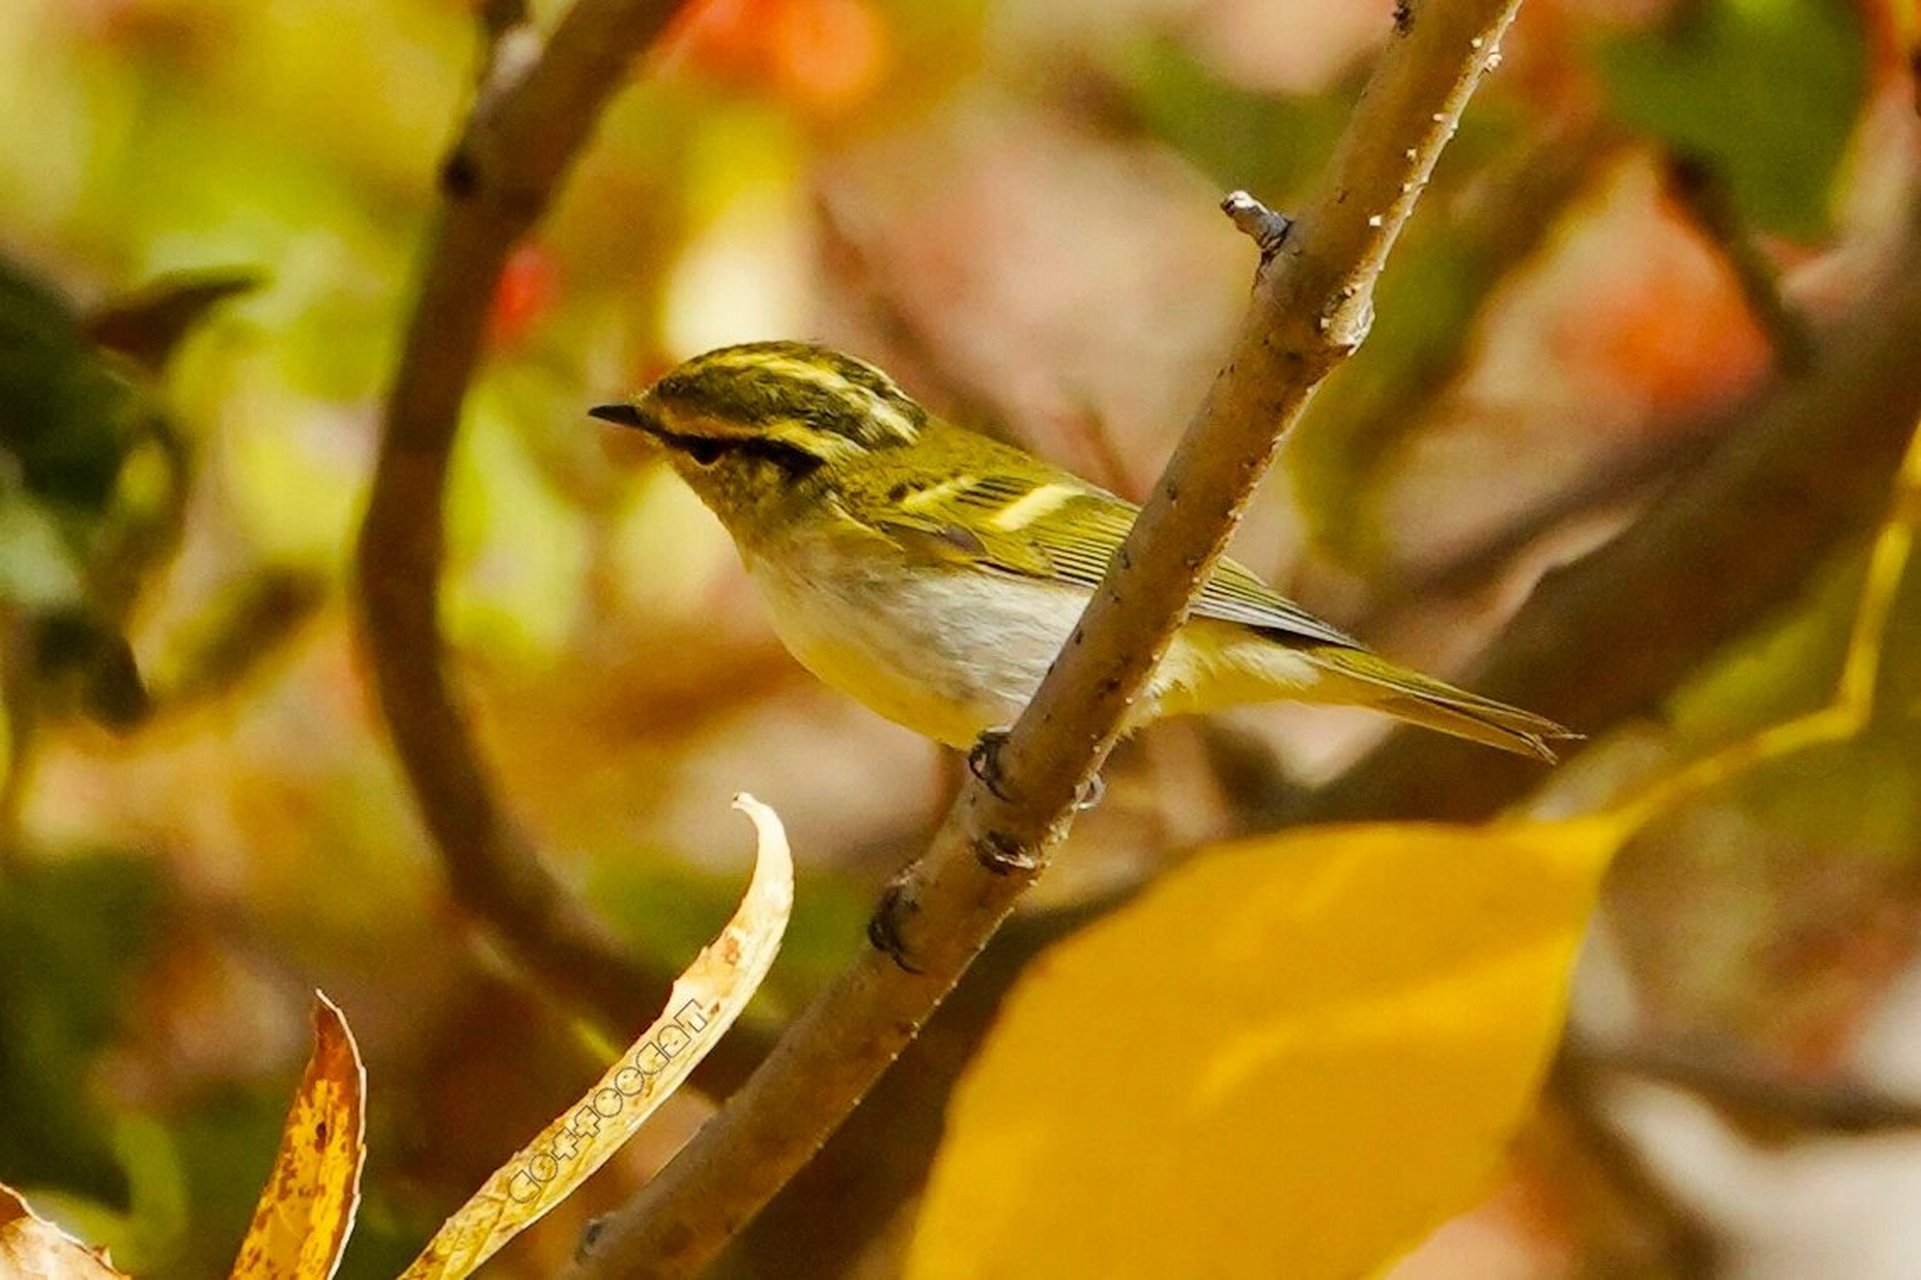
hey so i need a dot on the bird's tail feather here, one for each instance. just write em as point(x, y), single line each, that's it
point(1434, 704)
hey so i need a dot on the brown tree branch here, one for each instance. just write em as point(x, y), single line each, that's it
point(1623, 481)
point(1311, 308)
point(1789, 479)
point(1749, 1087)
point(1640, 1228)
point(536, 106)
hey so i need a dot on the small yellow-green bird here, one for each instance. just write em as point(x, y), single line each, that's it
point(933, 573)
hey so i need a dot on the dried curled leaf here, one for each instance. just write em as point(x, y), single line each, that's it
point(702, 1006)
point(306, 1212)
point(31, 1248)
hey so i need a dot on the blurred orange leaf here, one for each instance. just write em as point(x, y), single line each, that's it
point(702, 1006)
point(825, 55)
point(1293, 1056)
point(31, 1248)
point(1678, 343)
point(307, 1210)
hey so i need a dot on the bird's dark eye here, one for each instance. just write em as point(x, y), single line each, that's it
point(705, 453)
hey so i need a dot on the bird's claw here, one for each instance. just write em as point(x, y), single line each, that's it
point(1004, 857)
point(983, 761)
point(884, 926)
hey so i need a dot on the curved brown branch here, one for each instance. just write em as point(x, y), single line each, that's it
point(1622, 482)
point(1311, 307)
point(536, 107)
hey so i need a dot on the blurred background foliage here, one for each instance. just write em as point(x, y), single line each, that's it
point(1661, 216)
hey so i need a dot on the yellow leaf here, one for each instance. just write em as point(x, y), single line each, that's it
point(31, 1248)
point(703, 1004)
point(1292, 1057)
point(306, 1212)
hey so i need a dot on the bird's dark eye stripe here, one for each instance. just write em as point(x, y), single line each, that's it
point(791, 458)
point(706, 450)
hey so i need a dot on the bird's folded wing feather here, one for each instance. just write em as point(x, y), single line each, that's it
point(1067, 532)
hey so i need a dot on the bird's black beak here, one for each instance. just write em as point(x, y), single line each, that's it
point(624, 414)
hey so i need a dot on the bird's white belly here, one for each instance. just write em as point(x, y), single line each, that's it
point(951, 652)
point(945, 652)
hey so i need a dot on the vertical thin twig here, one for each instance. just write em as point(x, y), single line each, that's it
point(535, 108)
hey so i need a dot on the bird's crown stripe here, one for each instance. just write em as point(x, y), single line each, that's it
point(863, 393)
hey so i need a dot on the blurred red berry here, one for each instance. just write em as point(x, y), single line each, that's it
point(526, 291)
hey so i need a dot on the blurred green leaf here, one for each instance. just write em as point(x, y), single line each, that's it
point(156, 1223)
point(225, 1144)
point(92, 476)
point(1764, 92)
point(243, 627)
point(1763, 903)
point(1426, 304)
point(40, 571)
point(76, 933)
point(1272, 145)
point(1882, 663)
point(65, 415)
point(1901, 645)
point(1853, 799)
point(90, 667)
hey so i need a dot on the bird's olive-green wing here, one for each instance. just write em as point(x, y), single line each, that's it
point(1065, 531)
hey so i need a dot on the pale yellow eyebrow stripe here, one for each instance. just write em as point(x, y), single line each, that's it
point(1033, 505)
